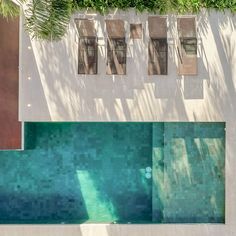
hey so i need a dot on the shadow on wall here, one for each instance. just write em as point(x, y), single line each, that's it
point(136, 96)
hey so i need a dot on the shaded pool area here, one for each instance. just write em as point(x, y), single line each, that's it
point(115, 172)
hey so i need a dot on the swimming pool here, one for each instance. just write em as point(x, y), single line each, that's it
point(115, 173)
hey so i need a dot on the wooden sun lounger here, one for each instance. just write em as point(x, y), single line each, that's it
point(87, 48)
point(187, 46)
point(116, 47)
point(157, 47)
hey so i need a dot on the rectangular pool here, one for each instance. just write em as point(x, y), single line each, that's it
point(115, 173)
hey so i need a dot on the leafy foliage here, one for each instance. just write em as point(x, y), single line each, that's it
point(160, 6)
point(48, 19)
point(8, 8)
point(220, 4)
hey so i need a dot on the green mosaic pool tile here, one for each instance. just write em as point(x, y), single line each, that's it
point(194, 176)
point(64, 163)
point(96, 172)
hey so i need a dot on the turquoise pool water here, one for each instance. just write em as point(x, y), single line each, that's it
point(100, 172)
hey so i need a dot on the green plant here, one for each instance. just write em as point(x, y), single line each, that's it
point(220, 4)
point(8, 8)
point(184, 6)
point(48, 19)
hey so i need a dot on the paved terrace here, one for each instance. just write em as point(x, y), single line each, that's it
point(51, 89)
point(10, 134)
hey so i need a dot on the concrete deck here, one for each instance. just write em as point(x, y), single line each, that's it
point(51, 89)
point(10, 134)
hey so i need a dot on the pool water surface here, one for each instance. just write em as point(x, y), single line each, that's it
point(115, 173)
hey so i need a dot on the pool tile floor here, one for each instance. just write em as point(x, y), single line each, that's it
point(99, 172)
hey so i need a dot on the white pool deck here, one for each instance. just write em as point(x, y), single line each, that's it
point(51, 90)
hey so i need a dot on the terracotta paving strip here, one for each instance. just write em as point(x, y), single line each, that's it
point(10, 131)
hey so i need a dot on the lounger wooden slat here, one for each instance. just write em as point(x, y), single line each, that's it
point(157, 63)
point(87, 56)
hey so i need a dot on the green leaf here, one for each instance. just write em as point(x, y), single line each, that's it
point(9, 9)
point(48, 19)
